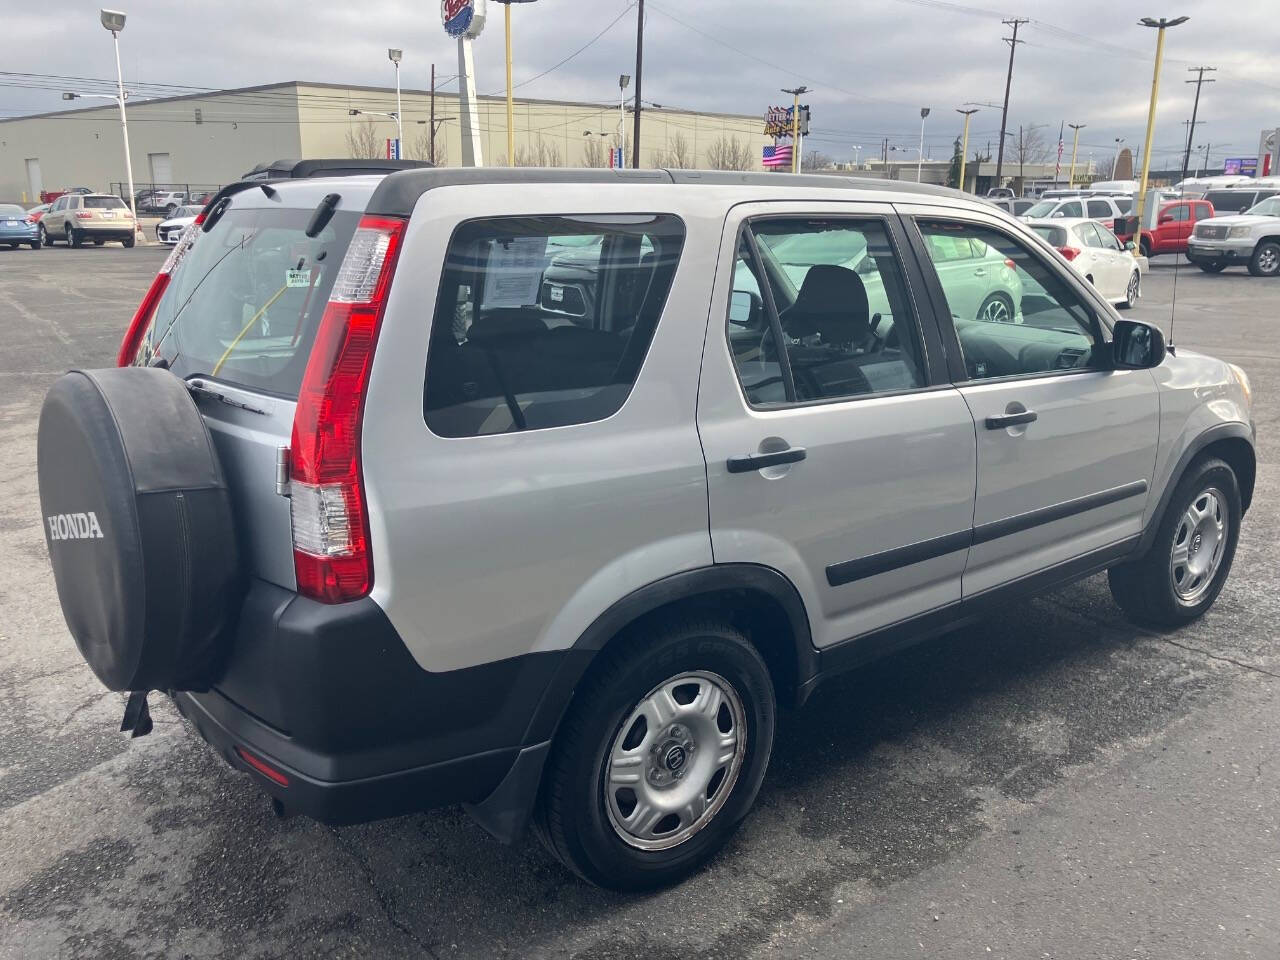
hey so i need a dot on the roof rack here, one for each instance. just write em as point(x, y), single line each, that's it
point(338, 167)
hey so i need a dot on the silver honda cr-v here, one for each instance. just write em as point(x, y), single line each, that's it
point(540, 491)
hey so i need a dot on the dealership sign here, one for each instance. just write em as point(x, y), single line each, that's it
point(778, 121)
point(1240, 166)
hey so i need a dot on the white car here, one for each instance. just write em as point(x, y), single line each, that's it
point(1096, 255)
point(1104, 209)
point(170, 231)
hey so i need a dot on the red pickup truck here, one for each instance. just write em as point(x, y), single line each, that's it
point(1174, 224)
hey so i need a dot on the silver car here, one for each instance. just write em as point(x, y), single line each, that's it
point(396, 532)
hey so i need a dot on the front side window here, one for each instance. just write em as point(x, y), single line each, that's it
point(1100, 210)
point(1016, 315)
point(1180, 213)
point(545, 321)
point(836, 302)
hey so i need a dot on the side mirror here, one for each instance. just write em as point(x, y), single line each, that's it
point(745, 308)
point(1136, 346)
point(1130, 246)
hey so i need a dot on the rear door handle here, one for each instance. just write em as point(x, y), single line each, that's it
point(758, 461)
point(1011, 419)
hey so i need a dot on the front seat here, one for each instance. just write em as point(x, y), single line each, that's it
point(833, 304)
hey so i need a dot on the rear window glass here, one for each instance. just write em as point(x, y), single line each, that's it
point(103, 203)
point(11, 210)
point(545, 321)
point(244, 304)
point(1055, 236)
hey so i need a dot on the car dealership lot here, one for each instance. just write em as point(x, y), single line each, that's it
point(1051, 781)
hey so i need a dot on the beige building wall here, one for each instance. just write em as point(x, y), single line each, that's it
point(83, 147)
point(239, 129)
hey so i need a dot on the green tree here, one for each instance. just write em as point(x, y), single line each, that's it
point(953, 172)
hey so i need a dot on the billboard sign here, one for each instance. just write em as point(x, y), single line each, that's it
point(1240, 166)
point(462, 18)
point(777, 121)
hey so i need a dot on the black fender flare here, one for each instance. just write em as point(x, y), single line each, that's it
point(1232, 430)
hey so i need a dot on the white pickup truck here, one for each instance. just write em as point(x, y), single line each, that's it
point(1251, 238)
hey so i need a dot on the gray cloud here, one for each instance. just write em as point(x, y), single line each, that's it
point(870, 65)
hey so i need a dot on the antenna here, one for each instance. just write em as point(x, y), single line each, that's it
point(1177, 257)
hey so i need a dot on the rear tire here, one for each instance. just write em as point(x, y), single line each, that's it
point(1265, 261)
point(127, 242)
point(45, 240)
point(1212, 267)
point(1183, 571)
point(73, 237)
point(705, 756)
point(13, 246)
point(36, 244)
point(1133, 291)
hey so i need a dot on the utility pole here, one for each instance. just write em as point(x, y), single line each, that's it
point(432, 151)
point(1008, 82)
point(1191, 132)
point(1075, 143)
point(964, 147)
point(635, 129)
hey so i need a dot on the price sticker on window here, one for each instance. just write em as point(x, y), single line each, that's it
point(297, 278)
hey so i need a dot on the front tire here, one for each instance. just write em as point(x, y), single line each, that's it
point(660, 757)
point(1132, 292)
point(997, 308)
point(1265, 261)
point(1183, 571)
point(1144, 248)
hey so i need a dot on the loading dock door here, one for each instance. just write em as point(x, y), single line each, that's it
point(161, 169)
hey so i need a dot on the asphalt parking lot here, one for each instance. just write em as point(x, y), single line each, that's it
point(1053, 782)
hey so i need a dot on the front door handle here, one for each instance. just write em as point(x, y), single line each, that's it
point(758, 461)
point(1011, 419)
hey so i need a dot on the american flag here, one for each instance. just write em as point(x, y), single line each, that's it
point(777, 156)
point(1057, 171)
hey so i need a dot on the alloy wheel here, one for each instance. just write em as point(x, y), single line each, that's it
point(1199, 542)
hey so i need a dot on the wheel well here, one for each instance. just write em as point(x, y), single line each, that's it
point(760, 617)
point(1239, 455)
point(1267, 240)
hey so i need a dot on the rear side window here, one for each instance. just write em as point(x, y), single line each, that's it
point(1230, 201)
point(1054, 236)
point(1100, 210)
point(545, 321)
point(103, 203)
point(245, 303)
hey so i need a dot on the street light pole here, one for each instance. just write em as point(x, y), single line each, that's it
point(924, 112)
point(795, 125)
point(964, 147)
point(1075, 144)
point(113, 20)
point(623, 80)
point(1160, 26)
point(394, 56)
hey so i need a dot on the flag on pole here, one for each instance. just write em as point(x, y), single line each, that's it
point(776, 156)
point(1057, 171)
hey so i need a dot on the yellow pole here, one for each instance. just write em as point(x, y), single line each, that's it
point(1075, 143)
point(795, 135)
point(1151, 126)
point(511, 131)
point(964, 149)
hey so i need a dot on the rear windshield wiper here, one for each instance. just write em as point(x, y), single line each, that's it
point(323, 214)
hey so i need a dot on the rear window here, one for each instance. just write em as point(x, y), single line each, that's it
point(244, 304)
point(1230, 201)
point(12, 210)
point(103, 203)
point(1055, 236)
point(545, 321)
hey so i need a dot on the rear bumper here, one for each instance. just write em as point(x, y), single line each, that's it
point(329, 696)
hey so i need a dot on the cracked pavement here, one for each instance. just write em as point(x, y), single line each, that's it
point(1050, 782)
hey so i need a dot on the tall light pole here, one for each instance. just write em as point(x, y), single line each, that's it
point(394, 56)
point(857, 155)
point(623, 81)
point(1075, 144)
point(1160, 26)
point(964, 147)
point(795, 125)
point(511, 130)
point(924, 112)
point(113, 20)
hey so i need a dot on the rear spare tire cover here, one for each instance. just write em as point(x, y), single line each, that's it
point(138, 521)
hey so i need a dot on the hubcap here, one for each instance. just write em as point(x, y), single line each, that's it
point(1134, 286)
point(1269, 259)
point(995, 311)
point(674, 760)
point(1199, 541)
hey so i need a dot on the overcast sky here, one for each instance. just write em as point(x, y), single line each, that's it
point(870, 66)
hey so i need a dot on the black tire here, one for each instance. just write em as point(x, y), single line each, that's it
point(572, 818)
point(45, 239)
point(127, 242)
point(1144, 587)
point(36, 244)
point(98, 242)
point(74, 239)
point(1212, 267)
point(996, 305)
point(1265, 261)
point(1144, 248)
point(1132, 291)
point(13, 246)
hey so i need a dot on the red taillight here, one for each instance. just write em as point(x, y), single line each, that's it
point(84, 215)
point(264, 768)
point(1010, 264)
point(330, 523)
point(141, 321)
point(1069, 252)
